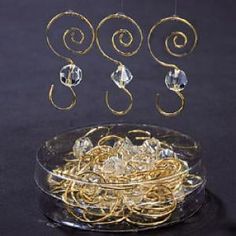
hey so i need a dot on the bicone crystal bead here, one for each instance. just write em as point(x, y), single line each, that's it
point(166, 153)
point(151, 146)
point(122, 76)
point(126, 148)
point(114, 165)
point(81, 146)
point(123, 145)
point(176, 80)
point(70, 75)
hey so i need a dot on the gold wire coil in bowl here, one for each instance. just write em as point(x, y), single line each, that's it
point(130, 178)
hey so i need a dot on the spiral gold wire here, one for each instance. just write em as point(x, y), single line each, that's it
point(70, 34)
point(175, 37)
point(180, 41)
point(121, 34)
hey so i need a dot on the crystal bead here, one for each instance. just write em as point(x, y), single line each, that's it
point(114, 165)
point(124, 143)
point(143, 162)
point(166, 153)
point(70, 75)
point(126, 148)
point(81, 146)
point(176, 80)
point(151, 146)
point(122, 76)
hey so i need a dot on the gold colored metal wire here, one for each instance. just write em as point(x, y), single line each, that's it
point(141, 132)
point(71, 34)
point(120, 34)
point(171, 114)
point(69, 107)
point(180, 41)
point(95, 130)
point(175, 37)
point(108, 138)
point(91, 197)
point(122, 112)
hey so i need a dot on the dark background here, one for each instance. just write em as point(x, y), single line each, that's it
point(27, 68)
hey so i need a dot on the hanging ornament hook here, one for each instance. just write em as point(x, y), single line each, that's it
point(73, 38)
point(122, 41)
point(176, 79)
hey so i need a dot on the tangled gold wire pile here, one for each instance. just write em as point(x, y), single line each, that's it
point(117, 181)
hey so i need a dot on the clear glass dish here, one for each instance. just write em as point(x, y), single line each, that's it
point(157, 192)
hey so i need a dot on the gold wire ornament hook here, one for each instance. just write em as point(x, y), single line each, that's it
point(179, 41)
point(72, 39)
point(171, 114)
point(122, 41)
point(73, 103)
point(123, 112)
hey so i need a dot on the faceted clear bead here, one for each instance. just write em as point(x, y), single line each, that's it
point(176, 80)
point(141, 163)
point(126, 148)
point(81, 146)
point(166, 153)
point(151, 146)
point(70, 75)
point(124, 143)
point(114, 165)
point(122, 76)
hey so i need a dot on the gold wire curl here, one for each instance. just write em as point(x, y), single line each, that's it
point(94, 131)
point(175, 37)
point(123, 112)
point(69, 107)
point(146, 134)
point(108, 138)
point(69, 33)
point(121, 33)
point(171, 114)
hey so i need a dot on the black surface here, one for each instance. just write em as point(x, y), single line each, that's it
point(27, 68)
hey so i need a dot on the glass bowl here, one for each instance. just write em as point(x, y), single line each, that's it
point(156, 179)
